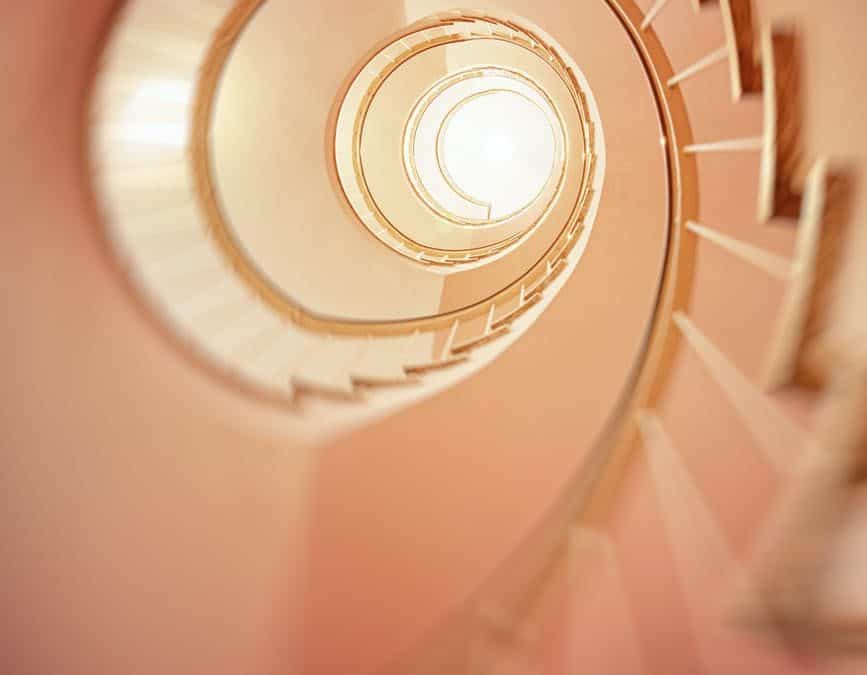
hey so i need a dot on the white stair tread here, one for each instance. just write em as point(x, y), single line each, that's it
point(383, 358)
point(275, 364)
point(328, 364)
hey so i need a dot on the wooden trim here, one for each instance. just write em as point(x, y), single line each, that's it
point(798, 353)
point(477, 342)
point(782, 153)
point(746, 74)
point(515, 314)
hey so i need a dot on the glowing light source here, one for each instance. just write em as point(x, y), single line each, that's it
point(498, 147)
point(485, 147)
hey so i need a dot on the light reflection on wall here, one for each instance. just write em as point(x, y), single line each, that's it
point(157, 113)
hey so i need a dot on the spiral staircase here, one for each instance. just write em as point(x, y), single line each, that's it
point(283, 394)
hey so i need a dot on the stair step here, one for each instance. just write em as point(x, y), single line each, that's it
point(716, 585)
point(774, 265)
point(779, 197)
point(810, 552)
point(602, 633)
point(275, 362)
point(776, 435)
point(801, 352)
point(383, 359)
point(229, 339)
point(702, 556)
point(327, 365)
point(738, 21)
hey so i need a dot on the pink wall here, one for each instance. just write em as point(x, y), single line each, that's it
point(154, 521)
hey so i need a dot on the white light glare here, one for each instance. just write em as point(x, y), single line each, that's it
point(157, 114)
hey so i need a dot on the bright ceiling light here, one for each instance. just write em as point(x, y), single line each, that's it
point(484, 146)
point(498, 147)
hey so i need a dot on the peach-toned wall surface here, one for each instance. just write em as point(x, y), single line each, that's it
point(155, 520)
